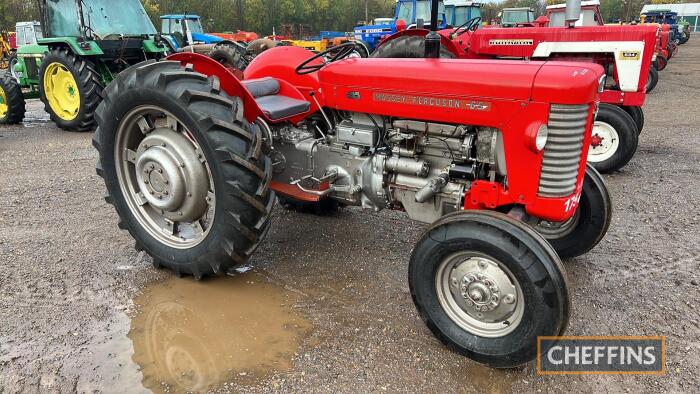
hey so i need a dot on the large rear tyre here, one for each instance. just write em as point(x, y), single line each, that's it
point(589, 224)
point(12, 105)
point(653, 80)
point(614, 140)
point(184, 169)
point(407, 47)
point(487, 286)
point(637, 114)
point(229, 56)
point(70, 89)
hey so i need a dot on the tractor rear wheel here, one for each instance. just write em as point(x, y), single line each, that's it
point(652, 80)
point(12, 105)
point(407, 47)
point(637, 114)
point(614, 139)
point(487, 286)
point(589, 224)
point(184, 169)
point(70, 89)
point(229, 57)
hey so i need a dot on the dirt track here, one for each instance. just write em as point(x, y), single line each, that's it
point(69, 279)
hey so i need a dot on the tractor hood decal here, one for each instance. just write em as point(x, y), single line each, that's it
point(507, 41)
point(431, 101)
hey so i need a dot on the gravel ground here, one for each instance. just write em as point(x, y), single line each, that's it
point(69, 275)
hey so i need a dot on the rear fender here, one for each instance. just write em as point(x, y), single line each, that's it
point(227, 80)
point(444, 39)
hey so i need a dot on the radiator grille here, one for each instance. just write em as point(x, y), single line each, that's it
point(562, 154)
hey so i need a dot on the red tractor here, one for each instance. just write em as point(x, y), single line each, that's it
point(625, 52)
point(495, 162)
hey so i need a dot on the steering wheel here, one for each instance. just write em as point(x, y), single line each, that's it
point(470, 25)
point(337, 53)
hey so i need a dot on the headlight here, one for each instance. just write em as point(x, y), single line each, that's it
point(541, 137)
point(601, 83)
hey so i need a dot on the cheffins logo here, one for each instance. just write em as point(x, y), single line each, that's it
point(601, 355)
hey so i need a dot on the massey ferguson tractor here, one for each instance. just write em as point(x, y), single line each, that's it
point(625, 52)
point(491, 154)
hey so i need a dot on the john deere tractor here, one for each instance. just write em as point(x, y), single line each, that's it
point(86, 44)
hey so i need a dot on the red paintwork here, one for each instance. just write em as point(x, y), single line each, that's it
point(239, 36)
point(475, 45)
point(12, 38)
point(513, 96)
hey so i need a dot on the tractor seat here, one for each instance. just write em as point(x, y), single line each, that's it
point(274, 106)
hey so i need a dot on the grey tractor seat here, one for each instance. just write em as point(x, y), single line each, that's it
point(274, 106)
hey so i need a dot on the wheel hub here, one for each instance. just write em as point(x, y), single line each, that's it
point(171, 176)
point(604, 142)
point(480, 290)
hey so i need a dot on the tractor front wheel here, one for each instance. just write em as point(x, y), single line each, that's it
point(589, 224)
point(652, 80)
point(661, 62)
point(614, 139)
point(12, 105)
point(184, 169)
point(637, 114)
point(70, 89)
point(487, 286)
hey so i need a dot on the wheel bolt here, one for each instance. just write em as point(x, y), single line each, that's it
point(145, 181)
point(166, 192)
point(189, 194)
point(182, 165)
point(167, 182)
point(163, 145)
point(509, 299)
point(153, 166)
point(179, 213)
point(160, 170)
point(482, 264)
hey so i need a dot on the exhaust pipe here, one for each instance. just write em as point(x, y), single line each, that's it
point(432, 40)
point(573, 12)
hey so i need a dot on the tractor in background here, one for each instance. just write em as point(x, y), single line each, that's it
point(516, 17)
point(8, 47)
point(459, 11)
point(494, 162)
point(625, 52)
point(408, 14)
point(184, 32)
point(85, 44)
point(665, 17)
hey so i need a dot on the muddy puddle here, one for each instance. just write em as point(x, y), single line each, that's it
point(194, 336)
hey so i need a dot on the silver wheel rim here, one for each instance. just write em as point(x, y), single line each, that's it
point(164, 177)
point(556, 230)
point(610, 142)
point(479, 294)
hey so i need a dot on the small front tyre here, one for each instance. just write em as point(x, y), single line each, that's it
point(487, 286)
point(614, 140)
point(184, 169)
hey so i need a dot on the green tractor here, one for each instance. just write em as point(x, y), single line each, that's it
point(85, 44)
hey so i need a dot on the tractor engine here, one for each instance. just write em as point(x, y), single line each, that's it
point(379, 162)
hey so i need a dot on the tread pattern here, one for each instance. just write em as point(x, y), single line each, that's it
point(407, 47)
point(16, 106)
point(89, 85)
point(242, 190)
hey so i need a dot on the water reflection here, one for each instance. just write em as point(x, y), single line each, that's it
point(193, 336)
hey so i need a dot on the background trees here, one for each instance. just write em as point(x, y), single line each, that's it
point(262, 15)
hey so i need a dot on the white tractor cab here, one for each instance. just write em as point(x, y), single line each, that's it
point(590, 14)
point(458, 12)
point(28, 33)
point(516, 17)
